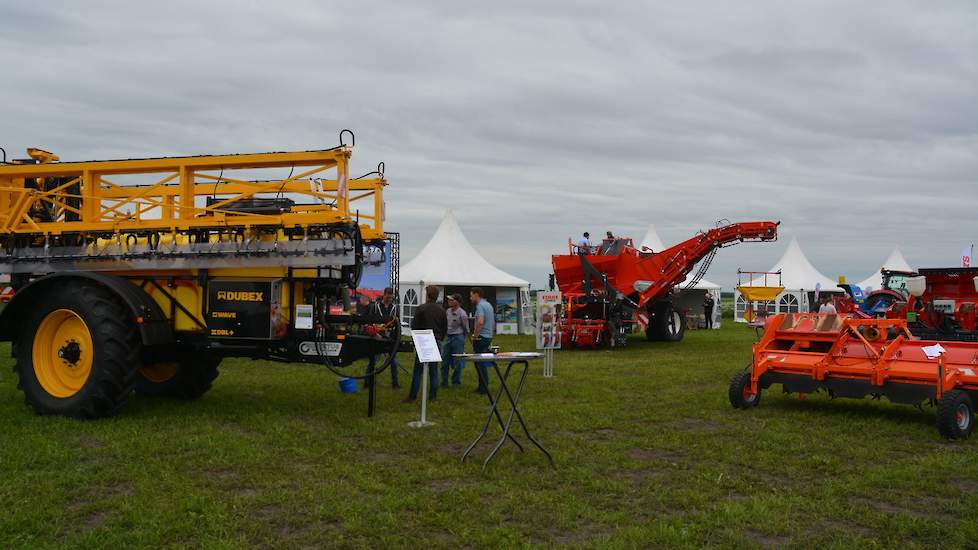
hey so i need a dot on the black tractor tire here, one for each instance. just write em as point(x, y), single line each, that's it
point(77, 327)
point(955, 415)
point(739, 385)
point(667, 323)
point(189, 378)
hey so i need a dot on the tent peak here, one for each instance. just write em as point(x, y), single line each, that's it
point(450, 259)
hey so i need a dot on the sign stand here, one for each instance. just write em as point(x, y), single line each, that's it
point(427, 350)
point(549, 312)
point(424, 400)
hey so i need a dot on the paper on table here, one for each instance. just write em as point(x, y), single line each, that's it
point(933, 351)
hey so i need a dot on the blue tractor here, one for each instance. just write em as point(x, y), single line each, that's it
point(876, 303)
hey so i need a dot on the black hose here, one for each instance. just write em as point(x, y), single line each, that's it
point(351, 274)
point(216, 183)
point(278, 195)
point(395, 340)
point(379, 171)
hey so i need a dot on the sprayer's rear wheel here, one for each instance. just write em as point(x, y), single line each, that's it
point(955, 415)
point(77, 354)
point(188, 378)
point(739, 392)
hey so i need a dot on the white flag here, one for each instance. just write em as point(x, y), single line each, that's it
point(966, 256)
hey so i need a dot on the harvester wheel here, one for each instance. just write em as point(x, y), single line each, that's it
point(77, 353)
point(739, 392)
point(955, 415)
point(185, 379)
point(667, 323)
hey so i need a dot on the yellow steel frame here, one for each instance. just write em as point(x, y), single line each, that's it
point(169, 204)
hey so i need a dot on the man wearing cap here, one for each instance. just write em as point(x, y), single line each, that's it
point(458, 329)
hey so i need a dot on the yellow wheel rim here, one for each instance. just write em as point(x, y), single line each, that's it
point(63, 353)
point(159, 372)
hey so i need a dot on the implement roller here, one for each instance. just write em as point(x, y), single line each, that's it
point(851, 357)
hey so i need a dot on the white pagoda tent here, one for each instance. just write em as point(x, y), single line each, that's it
point(799, 278)
point(450, 262)
point(690, 299)
point(895, 262)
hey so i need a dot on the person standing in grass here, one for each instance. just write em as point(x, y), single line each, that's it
point(386, 308)
point(708, 304)
point(485, 324)
point(430, 316)
point(458, 329)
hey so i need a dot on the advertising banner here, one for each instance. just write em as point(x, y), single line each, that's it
point(549, 304)
point(507, 314)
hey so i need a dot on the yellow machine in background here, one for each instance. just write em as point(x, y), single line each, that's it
point(759, 295)
point(145, 273)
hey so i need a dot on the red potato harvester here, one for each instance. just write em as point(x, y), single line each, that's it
point(852, 357)
point(611, 288)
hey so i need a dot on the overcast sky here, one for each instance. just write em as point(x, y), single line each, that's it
point(854, 123)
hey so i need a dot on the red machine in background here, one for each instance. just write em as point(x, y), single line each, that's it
point(938, 303)
point(608, 289)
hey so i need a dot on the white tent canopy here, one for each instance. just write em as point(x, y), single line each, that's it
point(799, 278)
point(652, 240)
point(450, 259)
point(895, 262)
point(797, 273)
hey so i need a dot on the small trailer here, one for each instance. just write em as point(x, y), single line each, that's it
point(853, 357)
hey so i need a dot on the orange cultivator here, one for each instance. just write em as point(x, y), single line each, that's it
point(850, 357)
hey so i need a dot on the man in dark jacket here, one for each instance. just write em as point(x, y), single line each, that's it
point(429, 316)
point(708, 304)
point(386, 308)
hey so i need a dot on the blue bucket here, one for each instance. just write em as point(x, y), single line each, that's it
point(348, 385)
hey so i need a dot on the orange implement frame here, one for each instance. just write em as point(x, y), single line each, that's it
point(171, 193)
point(853, 357)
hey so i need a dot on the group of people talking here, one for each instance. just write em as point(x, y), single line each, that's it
point(451, 327)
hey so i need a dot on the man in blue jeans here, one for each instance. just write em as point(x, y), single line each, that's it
point(430, 316)
point(386, 308)
point(458, 329)
point(485, 323)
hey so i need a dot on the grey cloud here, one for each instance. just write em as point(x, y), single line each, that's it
point(854, 124)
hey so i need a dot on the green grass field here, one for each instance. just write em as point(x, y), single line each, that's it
point(648, 451)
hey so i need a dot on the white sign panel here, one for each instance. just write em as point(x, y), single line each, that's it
point(426, 346)
point(303, 316)
point(549, 304)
